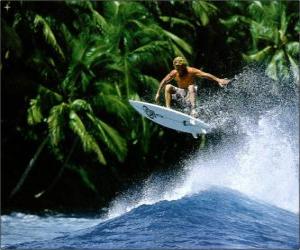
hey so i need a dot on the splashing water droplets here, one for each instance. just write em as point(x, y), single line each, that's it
point(256, 155)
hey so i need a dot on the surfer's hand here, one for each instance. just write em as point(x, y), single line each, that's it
point(223, 82)
point(157, 98)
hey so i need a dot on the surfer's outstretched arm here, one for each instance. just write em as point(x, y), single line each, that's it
point(169, 77)
point(200, 73)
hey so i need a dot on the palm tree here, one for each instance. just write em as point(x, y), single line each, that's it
point(98, 66)
point(137, 41)
point(131, 42)
point(272, 44)
point(62, 109)
point(75, 119)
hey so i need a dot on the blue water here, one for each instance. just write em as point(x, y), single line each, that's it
point(215, 218)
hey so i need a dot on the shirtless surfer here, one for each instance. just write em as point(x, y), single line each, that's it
point(185, 92)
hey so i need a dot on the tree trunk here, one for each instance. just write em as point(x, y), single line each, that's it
point(29, 167)
point(53, 183)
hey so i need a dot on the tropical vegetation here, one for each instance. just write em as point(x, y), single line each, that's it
point(69, 68)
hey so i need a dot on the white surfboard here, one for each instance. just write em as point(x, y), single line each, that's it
point(171, 118)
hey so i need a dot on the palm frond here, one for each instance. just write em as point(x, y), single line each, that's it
point(180, 42)
point(105, 87)
point(49, 96)
point(294, 69)
point(264, 32)
point(148, 81)
point(112, 139)
point(112, 104)
point(80, 46)
point(151, 50)
point(68, 37)
point(77, 77)
point(48, 34)
point(100, 20)
point(177, 51)
point(293, 48)
point(79, 105)
point(283, 68)
point(271, 69)
point(115, 69)
point(283, 23)
point(34, 112)
point(68, 84)
point(147, 33)
point(88, 141)
point(98, 54)
point(176, 21)
point(258, 56)
point(256, 9)
point(234, 21)
point(131, 11)
point(111, 9)
point(203, 10)
point(56, 121)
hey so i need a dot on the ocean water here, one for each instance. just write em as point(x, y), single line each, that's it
point(214, 218)
point(240, 193)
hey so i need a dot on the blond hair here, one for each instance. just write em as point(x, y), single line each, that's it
point(179, 61)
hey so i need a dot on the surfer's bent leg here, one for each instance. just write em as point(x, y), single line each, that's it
point(169, 90)
point(192, 96)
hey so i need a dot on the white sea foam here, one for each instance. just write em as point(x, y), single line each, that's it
point(265, 167)
point(259, 158)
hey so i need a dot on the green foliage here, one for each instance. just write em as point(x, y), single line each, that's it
point(272, 45)
point(80, 105)
point(111, 137)
point(48, 34)
point(92, 61)
point(203, 10)
point(178, 43)
point(56, 122)
point(113, 105)
point(49, 96)
point(174, 21)
point(89, 143)
point(97, 67)
point(34, 112)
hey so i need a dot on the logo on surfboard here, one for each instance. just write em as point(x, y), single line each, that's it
point(150, 113)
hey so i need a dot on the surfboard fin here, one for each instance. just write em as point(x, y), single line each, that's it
point(196, 135)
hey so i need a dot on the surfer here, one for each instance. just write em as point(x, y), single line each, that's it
point(185, 92)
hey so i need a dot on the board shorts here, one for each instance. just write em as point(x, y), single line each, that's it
point(181, 97)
